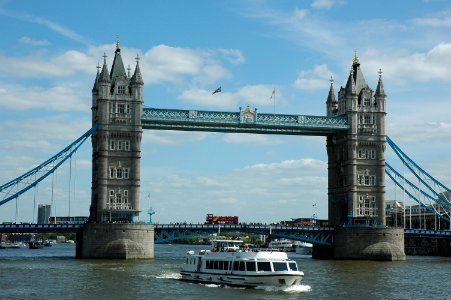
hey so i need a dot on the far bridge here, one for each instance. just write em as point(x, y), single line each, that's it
point(165, 233)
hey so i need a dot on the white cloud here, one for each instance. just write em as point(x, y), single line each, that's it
point(254, 95)
point(314, 79)
point(420, 131)
point(255, 139)
point(433, 22)
point(170, 137)
point(234, 56)
point(402, 67)
point(323, 4)
point(299, 14)
point(163, 63)
point(58, 28)
point(56, 98)
point(29, 41)
point(274, 187)
point(305, 164)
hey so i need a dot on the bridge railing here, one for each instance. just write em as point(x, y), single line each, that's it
point(242, 121)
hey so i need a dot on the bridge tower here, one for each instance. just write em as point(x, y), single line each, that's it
point(356, 167)
point(117, 101)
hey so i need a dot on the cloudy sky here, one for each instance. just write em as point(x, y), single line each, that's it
point(49, 51)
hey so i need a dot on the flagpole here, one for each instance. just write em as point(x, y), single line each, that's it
point(274, 101)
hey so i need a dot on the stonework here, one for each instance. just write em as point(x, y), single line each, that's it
point(356, 168)
point(116, 241)
point(356, 160)
point(117, 101)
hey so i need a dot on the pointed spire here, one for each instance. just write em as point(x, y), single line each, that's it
point(117, 69)
point(104, 74)
point(137, 78)
point(355, 61)
point(331, 96)
point(380, 86)
point(350, 84)
point(94, 88)
point(118, 45)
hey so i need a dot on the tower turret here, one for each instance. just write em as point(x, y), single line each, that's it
point(332, 104)
point(117, 108)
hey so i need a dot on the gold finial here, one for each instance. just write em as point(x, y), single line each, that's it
point(331, 80)
point(380, 73)
point(355, 61)
point(118, 46)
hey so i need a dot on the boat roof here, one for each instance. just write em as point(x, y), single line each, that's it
point(227, 241)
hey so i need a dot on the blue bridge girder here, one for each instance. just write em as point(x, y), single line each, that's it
point(237, 122)
point(314, 235)
point(170, 232)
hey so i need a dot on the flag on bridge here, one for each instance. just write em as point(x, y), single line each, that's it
point(218, 90)
point(273, 95)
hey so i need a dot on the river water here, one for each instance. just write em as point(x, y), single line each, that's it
point(54, 273)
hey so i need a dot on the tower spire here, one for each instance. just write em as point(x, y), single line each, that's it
point(380, 91)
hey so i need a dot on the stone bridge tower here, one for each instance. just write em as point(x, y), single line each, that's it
point(356, 167)
point(117, 101)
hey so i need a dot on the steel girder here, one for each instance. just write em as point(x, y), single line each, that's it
point(314, 235)
point(244, 121)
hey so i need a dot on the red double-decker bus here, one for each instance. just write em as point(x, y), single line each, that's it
point(211, 219)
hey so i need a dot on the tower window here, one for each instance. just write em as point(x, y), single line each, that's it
point(121, 89)
point(369, 180)
point(366, 206)
point(367, 153)
point(127, 145)
point(121, 108)
point(112, 145)
point(119, 173)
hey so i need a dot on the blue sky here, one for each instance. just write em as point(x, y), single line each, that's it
point(49, 51)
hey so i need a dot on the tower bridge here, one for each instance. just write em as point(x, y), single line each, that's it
point(354, 127)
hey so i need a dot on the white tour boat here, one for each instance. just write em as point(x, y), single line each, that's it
point(229, 264)
point(304, 248)
point(282, 245)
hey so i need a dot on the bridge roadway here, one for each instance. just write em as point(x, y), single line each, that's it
point(169, 232)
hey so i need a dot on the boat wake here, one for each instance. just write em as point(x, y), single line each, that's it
point(300, 288)
point(169, 276)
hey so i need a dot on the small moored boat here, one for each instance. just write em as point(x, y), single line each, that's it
point(229, 264)
point(35, 244)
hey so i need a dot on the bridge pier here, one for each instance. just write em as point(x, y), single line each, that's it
point(364, 243)
point(116, 241)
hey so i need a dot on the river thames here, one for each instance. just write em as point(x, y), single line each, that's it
point(54, 273)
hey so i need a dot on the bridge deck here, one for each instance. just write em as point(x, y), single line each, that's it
point(169, 232)
point(241, 122)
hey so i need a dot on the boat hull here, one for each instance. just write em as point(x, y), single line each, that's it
point(277, 280)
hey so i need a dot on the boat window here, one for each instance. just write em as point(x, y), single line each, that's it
point(293, 266)
point(280, 266)
point(250, 266)
point(216, 265)
point(242, 266)
point(264, 266)
point(221, 265)
point(226, 265)
point(239, 266)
